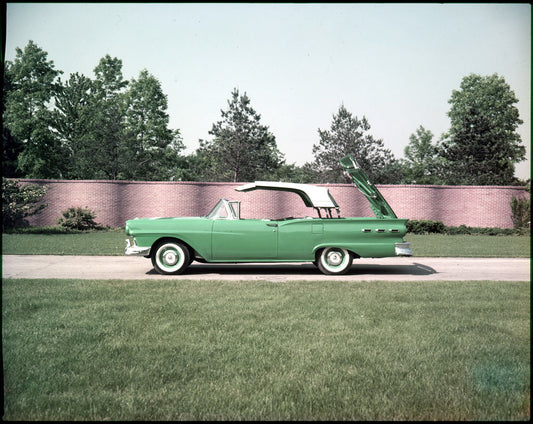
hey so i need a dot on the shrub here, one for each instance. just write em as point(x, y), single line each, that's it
point(521, 210)
point(484, 231)
point(79, 219)
point(424, 226)
point(19, 202)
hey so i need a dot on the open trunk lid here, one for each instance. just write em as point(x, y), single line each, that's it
point(379, 205)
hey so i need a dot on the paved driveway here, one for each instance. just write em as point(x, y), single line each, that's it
point(392, 269)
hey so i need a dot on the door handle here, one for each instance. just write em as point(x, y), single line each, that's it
point(272, 225)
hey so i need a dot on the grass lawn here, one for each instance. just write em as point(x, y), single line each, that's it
point(209, 350)
point(113, 243)
point(93, 243)
point(470, 246)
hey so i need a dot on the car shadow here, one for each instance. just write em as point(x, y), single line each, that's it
point(302, 269)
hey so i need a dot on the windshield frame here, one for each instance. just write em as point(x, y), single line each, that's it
point(224, 209)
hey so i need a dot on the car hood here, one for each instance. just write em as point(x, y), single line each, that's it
point(379, 205)
point(157, 220)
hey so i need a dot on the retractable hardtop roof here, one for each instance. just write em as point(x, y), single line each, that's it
point(313, 196)
point(320, 198)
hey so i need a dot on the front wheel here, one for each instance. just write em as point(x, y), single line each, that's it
point(171, 257)
point(334, 261)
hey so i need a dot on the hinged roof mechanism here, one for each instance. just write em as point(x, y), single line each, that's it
point(313, 196)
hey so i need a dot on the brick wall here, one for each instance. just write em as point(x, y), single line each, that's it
point(117, 201)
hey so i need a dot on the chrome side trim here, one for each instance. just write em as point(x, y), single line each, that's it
point(403, 249)
point(134, 250)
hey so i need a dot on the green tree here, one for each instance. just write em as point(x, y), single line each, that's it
point(349, 136)
point(11, 147)
point(88, 121)
point(32, 82)
point(242, 148)
point(521, 212)
point(292, 173)
point(109, 80)
point(151, 150)
point(73, 126)
point(19, 202)
point(422, 160)
point(108, 106)
point(482, 145)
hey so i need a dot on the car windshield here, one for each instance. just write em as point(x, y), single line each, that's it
point(225, 210)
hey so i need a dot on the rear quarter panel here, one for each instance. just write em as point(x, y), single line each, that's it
point(300, 239)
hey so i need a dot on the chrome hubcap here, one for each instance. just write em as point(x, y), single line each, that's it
point(170, 258)
point(334, 258)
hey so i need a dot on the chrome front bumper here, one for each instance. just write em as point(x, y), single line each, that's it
point(403, 249)
point(134, 250)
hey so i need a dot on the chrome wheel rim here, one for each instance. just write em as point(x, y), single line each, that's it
point(170, 257)
point(335, 260)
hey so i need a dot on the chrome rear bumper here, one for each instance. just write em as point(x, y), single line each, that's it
point(403, 249)
point(134, 250)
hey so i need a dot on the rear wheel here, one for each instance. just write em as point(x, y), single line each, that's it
point(171, 257)
point(334, 261)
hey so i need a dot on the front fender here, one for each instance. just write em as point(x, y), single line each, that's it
point(193, 231)
point(200, 244)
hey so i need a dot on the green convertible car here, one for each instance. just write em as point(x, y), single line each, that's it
point(328, 241)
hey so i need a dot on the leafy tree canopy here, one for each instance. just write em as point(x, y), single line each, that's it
point(20, 201)
point(482, 145)
point(422, 162)
point(151, 145)
point(31, 80)
point(111, 128)
point(82, 128)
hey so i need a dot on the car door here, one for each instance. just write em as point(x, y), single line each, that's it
point(244, 240)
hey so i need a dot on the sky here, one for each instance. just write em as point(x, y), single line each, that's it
point(396, 64)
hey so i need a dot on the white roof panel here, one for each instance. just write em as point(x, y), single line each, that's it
point(313, 196)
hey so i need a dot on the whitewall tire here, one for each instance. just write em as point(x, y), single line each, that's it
point(171, 257)
point(335, 261)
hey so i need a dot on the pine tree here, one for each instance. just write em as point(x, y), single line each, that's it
point(242, 148)
point(349, 136)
